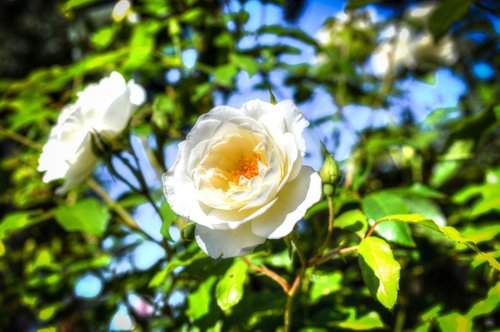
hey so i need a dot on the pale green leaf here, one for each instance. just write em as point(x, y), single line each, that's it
point(229, 289)
point(246, 62)
point(168, 216)
point(325, 284)
point(448, 231)
point(370, 321)
point(199, 300)
point(14, 222)
point(224, 74)
point(446, 14)
point(486, 205)
point(484, 307)
point(454, 322)
point(87, 216)
point(380, 270)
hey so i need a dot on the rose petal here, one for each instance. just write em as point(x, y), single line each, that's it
point(227, 243)
point(294, 200)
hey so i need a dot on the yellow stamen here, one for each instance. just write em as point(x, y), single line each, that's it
point(248, 166)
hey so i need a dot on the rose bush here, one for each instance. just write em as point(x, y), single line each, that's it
point(104, 108)
point(239, 176)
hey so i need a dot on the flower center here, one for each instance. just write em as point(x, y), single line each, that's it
point(247, 166)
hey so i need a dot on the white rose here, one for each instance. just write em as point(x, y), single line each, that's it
point(430, 53)
point(104, 108)
point(419, 15)
point(239, 176)
point(392, 55)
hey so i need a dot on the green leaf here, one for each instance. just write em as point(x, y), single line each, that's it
point(380, 270)
point(454, 322)
point(190, 255)
point(427, 208)
point(74, 4)
point(246, 63)
point(229, 290)
point(486, 205)
point(418, 189)
point(325, 284)
point(353, 220)
point(272, 98)
point(14, 222)
point(482, 233)
point(283, 31)
point(168, 216)
point(88, 216)
point(104, 36)
point(448, 231)
point(484, 307)
point(224, 74)
point(199, 300)
point(446, 14)
point(382, 204)
point(142, 43)
point(370, 321)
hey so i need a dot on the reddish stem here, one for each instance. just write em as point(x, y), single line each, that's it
point(271, 274)
point(370, 231)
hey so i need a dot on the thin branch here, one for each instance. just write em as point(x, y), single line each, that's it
point(124, 215)
point(19, 138)
point(370, 231)
point(271, 274)
point(321, 259)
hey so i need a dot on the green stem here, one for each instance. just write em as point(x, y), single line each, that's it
point(336, 252)
point(331, 220)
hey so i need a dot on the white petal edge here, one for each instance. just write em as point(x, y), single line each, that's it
point(294, 200)
point(227, 243)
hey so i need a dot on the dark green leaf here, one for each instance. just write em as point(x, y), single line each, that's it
point(352, 4)
point(381, 204)
point(446, 14)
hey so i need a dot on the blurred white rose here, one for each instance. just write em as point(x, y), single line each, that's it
point(420, 14)
point(430, 54)
point(394, 54)
point(349, 32)
point(412, 46)
point(239, 176)
point(104, 108)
